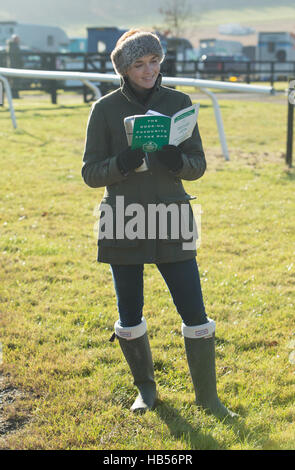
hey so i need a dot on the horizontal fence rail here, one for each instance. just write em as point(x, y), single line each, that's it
point(221, 68)
point(98, 78)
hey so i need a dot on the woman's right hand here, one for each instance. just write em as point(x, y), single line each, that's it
point(129, 159)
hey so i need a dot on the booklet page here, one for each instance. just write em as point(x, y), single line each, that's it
point(182, 124)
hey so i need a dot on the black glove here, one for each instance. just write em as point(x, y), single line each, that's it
point(170, 156)
point(129, 159)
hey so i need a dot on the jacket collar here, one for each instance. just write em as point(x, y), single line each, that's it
point(127, 91)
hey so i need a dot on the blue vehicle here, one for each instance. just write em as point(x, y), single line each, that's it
point(103, 40)
point(78, 45)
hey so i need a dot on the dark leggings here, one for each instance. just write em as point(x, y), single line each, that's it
point(182, 279)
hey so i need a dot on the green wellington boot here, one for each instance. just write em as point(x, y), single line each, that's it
point(200, 351)
point(137, 352)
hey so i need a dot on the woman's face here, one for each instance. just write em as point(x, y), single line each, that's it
point(144, 71)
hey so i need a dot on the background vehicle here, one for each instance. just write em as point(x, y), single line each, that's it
point(39, 38)
point(279, 48)
point(226, 65)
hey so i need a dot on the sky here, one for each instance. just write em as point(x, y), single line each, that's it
point(74, 16)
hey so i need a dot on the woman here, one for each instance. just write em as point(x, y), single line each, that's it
point(109, 162)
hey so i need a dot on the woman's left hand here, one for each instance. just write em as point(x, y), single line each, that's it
point(170, 156)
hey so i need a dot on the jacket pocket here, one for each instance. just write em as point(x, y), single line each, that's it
point(177, 198)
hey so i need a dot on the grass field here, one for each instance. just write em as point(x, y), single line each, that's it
point(63, 384)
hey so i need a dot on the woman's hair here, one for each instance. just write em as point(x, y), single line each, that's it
point(126, 35)
point(131, 46)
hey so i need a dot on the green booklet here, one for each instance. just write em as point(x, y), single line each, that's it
point(153, 130)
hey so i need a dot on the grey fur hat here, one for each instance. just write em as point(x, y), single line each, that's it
point(133, 47)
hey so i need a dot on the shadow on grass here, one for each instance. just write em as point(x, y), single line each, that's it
point(20, 131)
point(194, 437)
point(290, 173)
point(198, 437)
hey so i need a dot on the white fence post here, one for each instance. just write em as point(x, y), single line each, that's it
point(9, 99)
point(219, 122)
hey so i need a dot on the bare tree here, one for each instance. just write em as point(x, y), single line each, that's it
point(175, 14)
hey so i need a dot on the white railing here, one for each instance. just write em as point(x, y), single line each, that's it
point(88, 78)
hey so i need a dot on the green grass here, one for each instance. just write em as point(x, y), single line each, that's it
point(72, 389)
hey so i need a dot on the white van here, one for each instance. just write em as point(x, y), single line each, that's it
point(278, 47)
point(34, 37)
